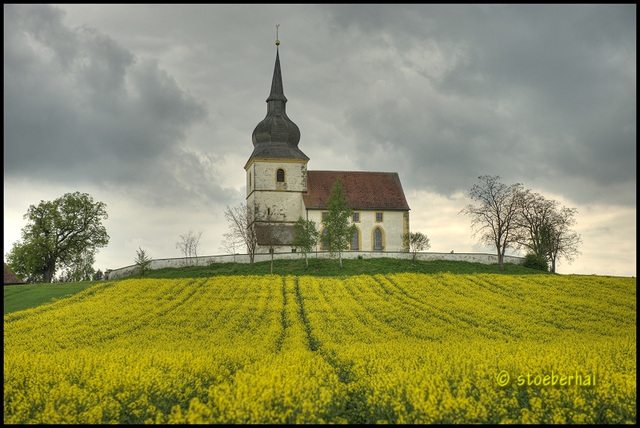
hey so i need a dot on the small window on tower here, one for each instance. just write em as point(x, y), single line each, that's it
point(280, 175)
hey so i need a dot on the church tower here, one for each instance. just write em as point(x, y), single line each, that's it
point(276, 172)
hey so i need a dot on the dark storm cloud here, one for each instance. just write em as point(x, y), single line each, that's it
point(78, 107)
point(182, 179)
point(151, 107)
point(539, 94)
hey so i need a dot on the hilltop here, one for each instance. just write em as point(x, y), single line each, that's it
point(329, 267)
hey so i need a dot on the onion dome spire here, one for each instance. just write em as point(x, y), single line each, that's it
point(277, 136)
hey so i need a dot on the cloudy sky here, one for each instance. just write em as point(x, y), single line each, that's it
point(150, 109)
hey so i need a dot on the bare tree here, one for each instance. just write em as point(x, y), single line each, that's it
point(188, 245)
point(494, 219)
point(241, 228)
point(544, 228)
point(416, 242)
point(534, 214)
point(231, 244)
point(563, 242)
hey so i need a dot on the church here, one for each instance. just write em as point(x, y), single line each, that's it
point(280, 189)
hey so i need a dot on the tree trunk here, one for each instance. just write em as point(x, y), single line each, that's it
point(272, 261)
point(49, 271)
point(306, 259)
point(500, 261)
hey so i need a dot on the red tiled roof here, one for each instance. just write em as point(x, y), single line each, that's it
point(364, 190)
point(10, 277)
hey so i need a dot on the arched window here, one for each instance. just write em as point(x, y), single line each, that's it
point(355, 240)
point(280, 175)
point(323, 243)
point(377, 240)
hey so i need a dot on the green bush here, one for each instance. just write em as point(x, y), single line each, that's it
point(534, 261)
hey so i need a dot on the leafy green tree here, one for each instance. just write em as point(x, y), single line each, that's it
point(337, 222)
point(59, 234)
point(80, 270)
point(535, 261)
point(142, 261)
point(305, 236)
point(27, 261)
point(98, 275)
point(416, 242)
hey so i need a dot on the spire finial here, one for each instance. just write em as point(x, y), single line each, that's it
point(277, 41)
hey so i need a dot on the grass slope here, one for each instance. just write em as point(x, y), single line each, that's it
point(20, 297)
point(328, 267)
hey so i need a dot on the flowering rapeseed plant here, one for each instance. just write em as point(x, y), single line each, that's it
point(397, 348)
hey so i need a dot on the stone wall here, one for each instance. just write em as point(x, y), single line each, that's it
point(261, 257)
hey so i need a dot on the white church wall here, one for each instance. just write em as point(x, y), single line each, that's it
point(392, 227)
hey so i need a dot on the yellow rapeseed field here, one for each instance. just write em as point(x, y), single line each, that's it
point(397, 348)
